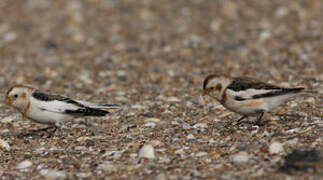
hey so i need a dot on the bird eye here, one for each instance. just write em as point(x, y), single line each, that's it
point(211, 88)
point(15, 96)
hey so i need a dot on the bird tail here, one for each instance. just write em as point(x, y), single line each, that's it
point(108, 107)
point(310, 92)
point(87, 111)
point(105, 107)
point(294, 90)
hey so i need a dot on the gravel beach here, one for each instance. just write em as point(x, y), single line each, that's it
point(151, 57)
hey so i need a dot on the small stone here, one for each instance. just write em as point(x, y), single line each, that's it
point(173, 99)
point(199, 154)
point(133, 155)
point(180, 151)
point(24, 164)
point(4, 144)
point(241, 157)
point(264, 36)
point(152, 120)
point(189, 104)
point(114, 154)
point(150, 124)
point(52, 174)
point(85, 77)
point(160, 177)
point(121, 99)
point(147, 151)
point(200, 126)
point(276, 147)
point(310, 100)
point(138, 107)
point(8, 119)
point(217, 120)
point(10, 36)
point(215, 25)
point(293, 104)
point(190, 136)
point(155, 143)
point(107, 166)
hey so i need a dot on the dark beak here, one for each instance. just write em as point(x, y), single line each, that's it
point(205, 92)
point(8, 101)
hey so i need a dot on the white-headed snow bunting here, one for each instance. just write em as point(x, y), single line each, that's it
point(247, 96)
point(52, 109)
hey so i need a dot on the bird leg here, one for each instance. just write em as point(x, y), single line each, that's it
point(239, 120)
point(258, 121)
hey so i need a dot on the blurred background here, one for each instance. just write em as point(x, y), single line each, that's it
point(133, 44)
point(133, 52)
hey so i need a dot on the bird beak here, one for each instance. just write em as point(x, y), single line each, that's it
point(205, 92)
point(8, 101)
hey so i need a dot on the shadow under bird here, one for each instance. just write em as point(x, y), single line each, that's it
point(247, 96)
point(52, 109)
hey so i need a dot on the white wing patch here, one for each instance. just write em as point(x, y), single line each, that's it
point(98, 106)
point(54, 106)
point(247, 94)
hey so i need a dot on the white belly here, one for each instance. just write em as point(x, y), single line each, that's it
point(254, 106)
point(47, 117)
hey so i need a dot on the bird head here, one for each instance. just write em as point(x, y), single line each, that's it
point(17, 96)
point(214, 85)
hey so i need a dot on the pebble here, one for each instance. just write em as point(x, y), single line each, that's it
point(147, 151)
point(155, 143)
point(107, 166)
point(24, 164)
point(190, 136)
point(10, 36)
point(138, 107)
point(160, 177)
point(52, 174)
point(121, 99)
point(200, 126)
point(8, 119)
point(133, 155)
point(199, 154)
point(173, 99)
point(4, 144)
point(152, 120)
point(276, 147)
point(180, 151)
point(310, 100)
point(241, 157)
point(217, 120)
point(293, 104)
point(150, 124)
point(115, 154)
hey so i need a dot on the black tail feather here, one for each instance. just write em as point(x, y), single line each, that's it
point(88, 112)
point(278, 92)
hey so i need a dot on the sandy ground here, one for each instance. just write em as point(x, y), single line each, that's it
point(151, 57)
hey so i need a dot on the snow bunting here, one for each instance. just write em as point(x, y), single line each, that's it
point(247, 96)
point(52, 109)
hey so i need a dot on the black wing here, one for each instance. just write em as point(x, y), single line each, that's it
point(244, 83)
point(78, 109)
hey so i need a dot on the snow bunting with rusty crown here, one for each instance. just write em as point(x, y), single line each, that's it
point(247, 96)
point(52, 109)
